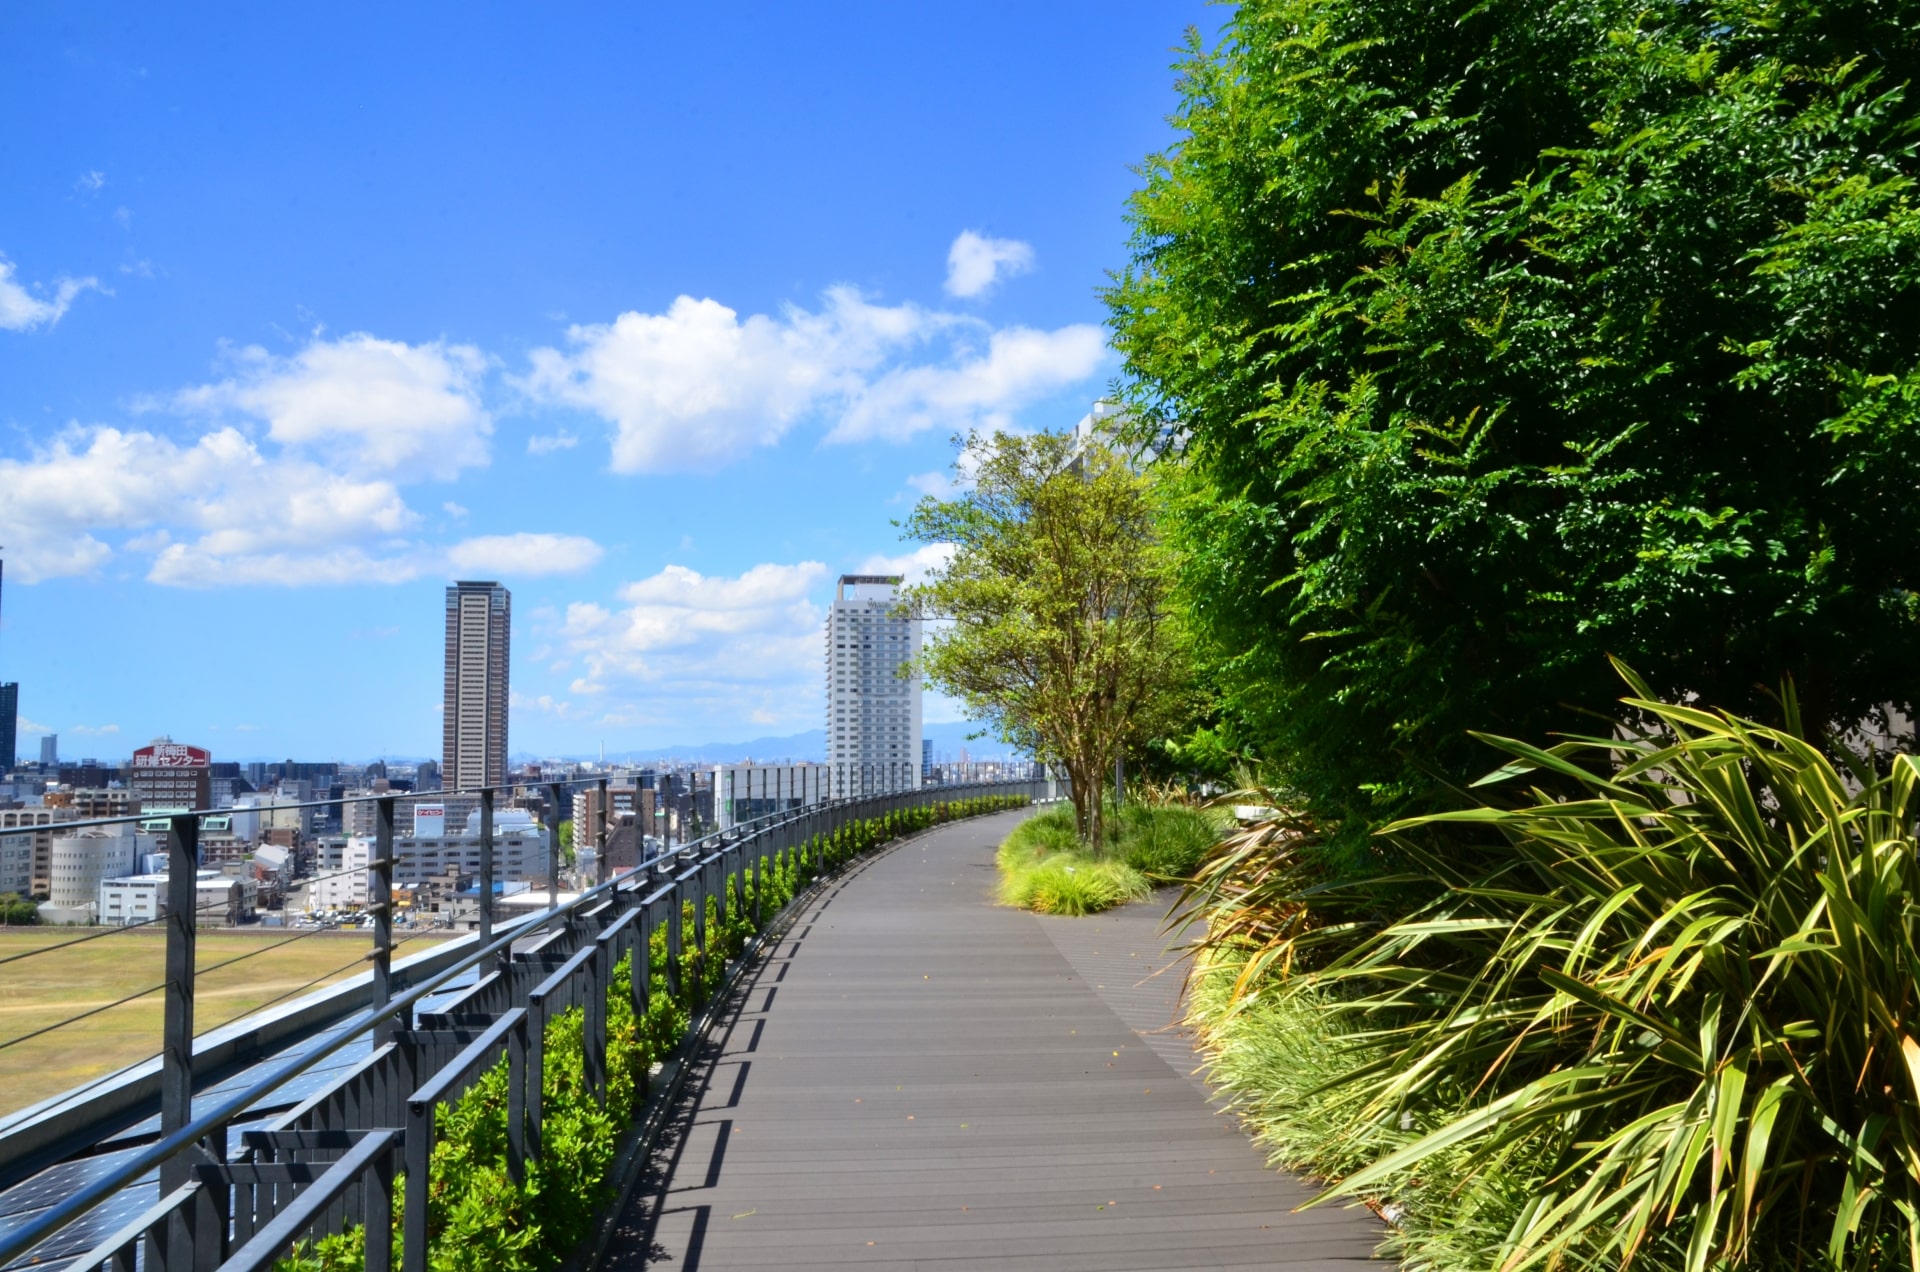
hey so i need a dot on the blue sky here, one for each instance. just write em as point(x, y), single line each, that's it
point(660, 315)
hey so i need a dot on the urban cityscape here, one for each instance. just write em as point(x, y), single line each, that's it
point(276, 825)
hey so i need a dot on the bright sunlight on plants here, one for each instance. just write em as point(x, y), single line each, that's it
point(1046, 868)
point(1661, 1012)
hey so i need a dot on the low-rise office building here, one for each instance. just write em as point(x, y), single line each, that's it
point(84, 860)
point(519, 855)
point(742, 792)
point(16, 863)
point(220, 900)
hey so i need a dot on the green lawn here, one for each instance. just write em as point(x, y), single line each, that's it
point(39, 991)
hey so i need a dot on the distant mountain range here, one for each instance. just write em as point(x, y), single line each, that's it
point(794, 748)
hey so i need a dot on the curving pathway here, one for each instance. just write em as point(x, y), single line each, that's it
point(916, 1078)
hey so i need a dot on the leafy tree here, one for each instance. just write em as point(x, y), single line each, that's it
point(1502, 336)
point(17, 911)
point(1059, 633)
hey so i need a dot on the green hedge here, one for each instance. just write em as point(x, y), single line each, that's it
point(481, 1221)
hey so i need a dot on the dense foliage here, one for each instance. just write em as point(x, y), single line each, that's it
point(481, 1220)
point(1672, 1021)
point(1056, 627)
point(1502, 336)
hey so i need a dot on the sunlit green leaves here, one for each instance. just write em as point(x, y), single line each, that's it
point(1507, 336)
point(1694, 1021)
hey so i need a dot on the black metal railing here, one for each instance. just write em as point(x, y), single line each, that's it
point(328, 1161)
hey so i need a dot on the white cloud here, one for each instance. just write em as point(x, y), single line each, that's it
point(21, 310)
point(91, 482)
point(547, 443)
point(453, 509)
point(90, 181)
point(680, 644)
point(699, 386)
point(372, 405)
point(93, 731)
point(32, 726)
point(975, 262)
point(524, 555)
point(1020, 366)
point(914, 566)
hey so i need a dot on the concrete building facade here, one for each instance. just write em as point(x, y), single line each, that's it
point(84, 860)
point(16, 864)
point(742, 792)
point(170, 775)
point(873, 712)
point(474, 714)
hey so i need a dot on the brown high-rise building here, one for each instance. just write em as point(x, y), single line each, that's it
point(479, 616)
point(168, 775)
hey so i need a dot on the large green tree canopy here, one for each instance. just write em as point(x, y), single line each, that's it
point(1506, 335)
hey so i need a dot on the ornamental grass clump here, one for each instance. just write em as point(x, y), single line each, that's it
point(1074, 886)
point(1046, 867)
point(1677, 986)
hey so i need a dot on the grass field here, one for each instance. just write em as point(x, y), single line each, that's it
point(47, 988)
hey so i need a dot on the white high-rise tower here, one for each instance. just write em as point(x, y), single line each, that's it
point(873, 712)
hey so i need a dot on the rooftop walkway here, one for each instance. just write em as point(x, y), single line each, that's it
point(917, 1078)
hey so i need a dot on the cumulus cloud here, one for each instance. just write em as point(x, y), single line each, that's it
point(690, 633)
point(699, 386)
point(21, 310)
point(218, 512)
point(372, 405)
point(975, 262)
point(914, 567)
point(524, 555)
point(220, 488)
point(688, 644)
point(1018, 367)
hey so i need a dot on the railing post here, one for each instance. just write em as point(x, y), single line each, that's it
point(486, 869)
point(380, 901)
point(553, 847)
point(676, 935)
point(518, 1060)
point(176, 1060)
point(594, 1026)
point(196, 1234)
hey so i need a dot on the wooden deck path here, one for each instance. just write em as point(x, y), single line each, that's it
point(918, 1079)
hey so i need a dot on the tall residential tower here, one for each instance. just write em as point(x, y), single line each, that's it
point(479, 616)
point(873, 712)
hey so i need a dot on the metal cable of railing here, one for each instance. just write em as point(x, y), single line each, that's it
point(119, 929)
point(325, 976)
